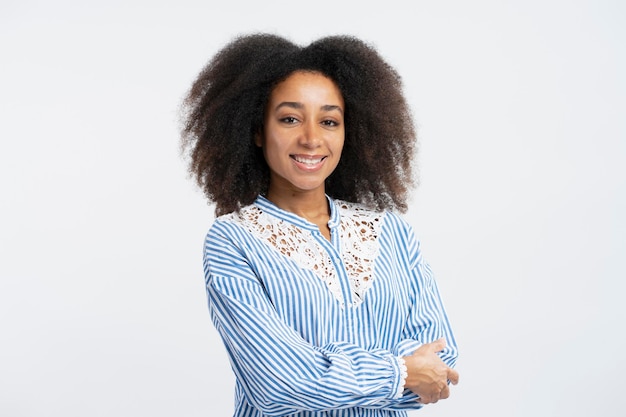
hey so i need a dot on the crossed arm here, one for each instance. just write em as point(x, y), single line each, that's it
point(281, 373)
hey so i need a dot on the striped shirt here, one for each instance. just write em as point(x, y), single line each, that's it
point(315, 327)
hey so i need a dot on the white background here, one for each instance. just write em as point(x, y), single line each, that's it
point(521, 110)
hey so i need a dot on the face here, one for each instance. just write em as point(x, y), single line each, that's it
point(303, 133)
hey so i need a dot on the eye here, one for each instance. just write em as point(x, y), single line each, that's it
point(330, 123)
point(289, 120)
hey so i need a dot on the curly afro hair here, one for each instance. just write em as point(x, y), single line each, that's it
point(224, 110)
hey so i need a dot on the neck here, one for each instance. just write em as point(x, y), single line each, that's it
point(311, 205)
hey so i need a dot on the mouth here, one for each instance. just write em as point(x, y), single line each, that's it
point(308, 162)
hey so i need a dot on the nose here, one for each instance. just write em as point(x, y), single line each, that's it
point(310, 135)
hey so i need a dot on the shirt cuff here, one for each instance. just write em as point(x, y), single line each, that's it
point(401, 372)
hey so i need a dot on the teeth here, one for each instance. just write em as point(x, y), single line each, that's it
point(308, 161)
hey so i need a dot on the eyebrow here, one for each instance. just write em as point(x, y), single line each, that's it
point(299, 106)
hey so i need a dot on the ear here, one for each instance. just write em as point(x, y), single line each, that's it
point(258, 139)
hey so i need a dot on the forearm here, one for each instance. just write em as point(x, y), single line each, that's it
point(282, 374)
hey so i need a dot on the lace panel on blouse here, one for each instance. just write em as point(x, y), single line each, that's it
point(358, 232)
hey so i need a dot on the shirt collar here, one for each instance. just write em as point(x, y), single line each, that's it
point(267, 206)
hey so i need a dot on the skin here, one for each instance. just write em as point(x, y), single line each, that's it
point(302, 140)
point(428, 375)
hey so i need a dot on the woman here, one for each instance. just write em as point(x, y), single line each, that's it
point(316, 285)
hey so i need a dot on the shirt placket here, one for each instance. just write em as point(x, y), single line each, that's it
point(332, 248)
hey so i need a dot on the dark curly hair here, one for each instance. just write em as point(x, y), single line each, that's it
point(225, 106)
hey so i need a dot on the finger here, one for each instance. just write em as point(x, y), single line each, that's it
point(445, 393)
point(453, 376)
point(424, 400)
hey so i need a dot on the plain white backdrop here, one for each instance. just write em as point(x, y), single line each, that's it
point(520, 108)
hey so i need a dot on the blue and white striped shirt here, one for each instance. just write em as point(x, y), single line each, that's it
point(315, 327)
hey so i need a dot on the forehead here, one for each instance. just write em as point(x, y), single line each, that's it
point(307, 85)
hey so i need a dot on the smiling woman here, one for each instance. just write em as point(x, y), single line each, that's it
point(316, 285)
point(302, 139)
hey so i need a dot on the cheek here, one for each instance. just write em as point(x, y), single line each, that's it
point(339, 145)
point(272, 150)
point(271, 144)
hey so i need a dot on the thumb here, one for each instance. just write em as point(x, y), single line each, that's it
point(453, 376)
point(438, 345)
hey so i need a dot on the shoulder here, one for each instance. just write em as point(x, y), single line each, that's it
point(384, 224)
point(232, 227)
point(246, 215)
point(362, 214)
point(389, 228)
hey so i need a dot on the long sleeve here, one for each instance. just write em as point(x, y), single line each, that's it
point(280, 372)
point(428, 320)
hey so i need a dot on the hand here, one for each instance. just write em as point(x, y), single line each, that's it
point(428, 375)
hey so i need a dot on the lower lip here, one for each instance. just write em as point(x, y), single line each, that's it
point(309, 167)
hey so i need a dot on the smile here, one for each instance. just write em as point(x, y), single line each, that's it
point(308, 160)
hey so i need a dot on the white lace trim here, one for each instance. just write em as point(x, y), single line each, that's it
point(358, 232)
point(359, 229)
point(404, 374)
